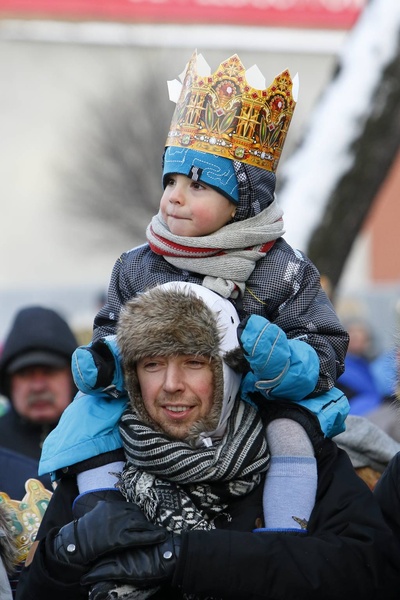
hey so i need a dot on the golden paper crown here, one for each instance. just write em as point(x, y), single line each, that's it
point(223, 114)
point(26, 514)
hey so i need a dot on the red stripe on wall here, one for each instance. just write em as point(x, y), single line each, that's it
point(295, 13)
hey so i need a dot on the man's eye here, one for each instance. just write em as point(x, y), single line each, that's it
point(151, 365)
point(196, 363)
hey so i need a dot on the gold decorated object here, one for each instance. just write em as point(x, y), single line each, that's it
point(26, 514)
point(223, 114)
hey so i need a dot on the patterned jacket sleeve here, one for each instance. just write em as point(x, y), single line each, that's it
point(307, 314)
point(105, 321)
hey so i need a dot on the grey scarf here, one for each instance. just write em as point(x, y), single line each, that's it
point(226, 257)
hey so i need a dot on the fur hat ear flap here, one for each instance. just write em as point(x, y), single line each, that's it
point(236, 360)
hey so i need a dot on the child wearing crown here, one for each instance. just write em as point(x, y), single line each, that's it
point(219, 225)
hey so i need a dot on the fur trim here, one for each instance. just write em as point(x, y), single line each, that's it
point(236, 360)
point(164, 322)
point(8, 548)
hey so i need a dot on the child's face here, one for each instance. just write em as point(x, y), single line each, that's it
point(192, 209)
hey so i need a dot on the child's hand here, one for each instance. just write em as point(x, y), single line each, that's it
point(97, 368)
point(280, 367)
point(265, 347)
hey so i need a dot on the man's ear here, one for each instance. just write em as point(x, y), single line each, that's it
point(31, 553)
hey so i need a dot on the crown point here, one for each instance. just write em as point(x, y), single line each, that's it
point(230, 112)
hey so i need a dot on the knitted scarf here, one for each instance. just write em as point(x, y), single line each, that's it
point(180, 487)
point(226, 257)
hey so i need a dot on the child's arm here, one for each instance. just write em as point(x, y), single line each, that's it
point(120, 289)
point(295, 301)
point(89, 426)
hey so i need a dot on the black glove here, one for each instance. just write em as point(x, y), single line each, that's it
point(87, 501)
point(104, 361)
point(143, 567)
point(109, 527)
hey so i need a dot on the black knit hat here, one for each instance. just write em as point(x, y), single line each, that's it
point(38, 336)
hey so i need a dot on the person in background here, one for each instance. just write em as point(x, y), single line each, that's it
point(358, 381)
point(370, 378)
point(35, 375)
point(369, 447)
point(385, 369)
point(191, 518)
point(15, 470)
point(387, 492)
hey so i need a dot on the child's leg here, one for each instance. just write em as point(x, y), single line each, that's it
point(291, 481)
point(97, 484)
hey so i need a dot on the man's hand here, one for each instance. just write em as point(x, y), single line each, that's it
point(109, 527)
point(143, 567)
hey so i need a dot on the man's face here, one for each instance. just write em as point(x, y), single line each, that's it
point(40, 394)
point(177, 391)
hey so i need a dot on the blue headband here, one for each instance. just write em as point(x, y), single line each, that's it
point(216, 171)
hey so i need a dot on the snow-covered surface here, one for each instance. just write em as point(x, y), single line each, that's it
point(310, 174)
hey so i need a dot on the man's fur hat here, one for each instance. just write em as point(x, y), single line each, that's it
point(181, 318)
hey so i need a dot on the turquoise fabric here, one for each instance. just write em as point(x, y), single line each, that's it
point(287, 369)
point(88, 427)
point(216, 171)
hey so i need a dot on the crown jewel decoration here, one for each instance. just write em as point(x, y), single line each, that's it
point(223, 114)
point(26, 514)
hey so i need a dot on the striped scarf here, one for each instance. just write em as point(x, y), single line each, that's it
point(226, 257)
point(180, 487)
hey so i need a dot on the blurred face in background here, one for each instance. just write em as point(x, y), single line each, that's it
point(41, 393)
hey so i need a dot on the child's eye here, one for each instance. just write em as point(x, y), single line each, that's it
point(198, 186)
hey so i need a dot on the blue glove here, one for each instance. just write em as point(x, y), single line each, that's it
point(97, 368)
point(287, 369)
point(280, 367)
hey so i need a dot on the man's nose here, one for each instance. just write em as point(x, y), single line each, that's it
point(38, 379)
point(173, 380)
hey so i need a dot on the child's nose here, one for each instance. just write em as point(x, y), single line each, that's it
point(177, 195)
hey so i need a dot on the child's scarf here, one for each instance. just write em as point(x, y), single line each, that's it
point(226, 257)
